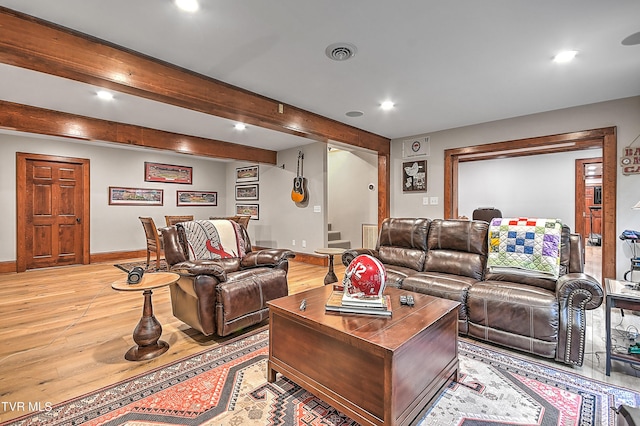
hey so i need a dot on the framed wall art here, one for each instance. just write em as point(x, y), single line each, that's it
point(247, 192)
point(135, 196)
point(248, 209)
point(414, 176)
point(196, 198)
point(167, 173)
point(247, 174)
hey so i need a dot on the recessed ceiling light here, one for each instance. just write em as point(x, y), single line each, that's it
point(105, 96)
point(354, 114)
point(387, 105)
point(240, 126)
point(188, 5)
point(565, 56)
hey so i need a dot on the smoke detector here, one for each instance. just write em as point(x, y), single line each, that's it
point(341, 51)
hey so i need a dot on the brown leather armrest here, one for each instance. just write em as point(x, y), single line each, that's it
point(201, 267)
point(576, 289)
point(266, 257)
point(351, 254)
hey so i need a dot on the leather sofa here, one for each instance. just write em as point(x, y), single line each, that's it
point(447, 258)
point(223, 296)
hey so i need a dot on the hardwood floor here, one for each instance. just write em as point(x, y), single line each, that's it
point(65, 332)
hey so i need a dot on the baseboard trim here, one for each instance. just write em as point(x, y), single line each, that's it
point(7, 267)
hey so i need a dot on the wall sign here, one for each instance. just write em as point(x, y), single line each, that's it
point(415, 147)
point(630, 161)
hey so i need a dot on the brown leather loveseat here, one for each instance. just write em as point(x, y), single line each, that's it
point(228, 294)
point(448, 259)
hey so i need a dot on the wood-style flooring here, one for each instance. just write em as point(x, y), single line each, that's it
point(64, 332)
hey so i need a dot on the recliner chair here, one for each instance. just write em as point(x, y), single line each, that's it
point(224, 295)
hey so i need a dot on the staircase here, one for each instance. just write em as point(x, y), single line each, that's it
point(334, 241)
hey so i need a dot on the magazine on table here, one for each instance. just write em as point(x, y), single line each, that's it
point(335, 304)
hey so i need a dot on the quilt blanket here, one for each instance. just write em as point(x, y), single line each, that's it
point(213, 239)
point(524, 245)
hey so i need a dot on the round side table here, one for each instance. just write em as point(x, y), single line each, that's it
point(148, 330)
point(330, 252)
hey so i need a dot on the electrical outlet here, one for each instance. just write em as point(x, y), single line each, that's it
point(304, 243)
point(433, 200)
point(293, 242)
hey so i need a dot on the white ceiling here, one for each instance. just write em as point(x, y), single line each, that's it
point(445, 64)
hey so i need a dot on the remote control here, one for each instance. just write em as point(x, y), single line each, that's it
point(410, 301)
point(403, 300)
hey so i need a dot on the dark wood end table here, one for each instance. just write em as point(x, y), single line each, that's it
point(148, 330)
point(620, 294)
point(330, 252)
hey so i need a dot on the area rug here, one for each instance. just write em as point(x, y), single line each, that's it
point(227, 385)
point(126, 267)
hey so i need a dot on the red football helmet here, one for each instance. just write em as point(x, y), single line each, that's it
point(365, 277)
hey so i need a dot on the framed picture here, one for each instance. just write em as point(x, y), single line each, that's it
point(414, 176)
point(247, 192)
point(248, 209)
point(247, 174)
point(167, 173)
point(196, 198)
point(135, 196)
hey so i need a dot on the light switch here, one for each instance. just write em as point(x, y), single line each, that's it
point(317, 209)
point(434, 200)
point(425, 201)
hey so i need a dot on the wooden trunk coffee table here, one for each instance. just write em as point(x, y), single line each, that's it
point(377, 370)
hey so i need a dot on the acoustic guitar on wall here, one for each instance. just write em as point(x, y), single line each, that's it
point(299, 192)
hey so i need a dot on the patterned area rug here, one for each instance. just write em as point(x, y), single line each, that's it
point(126, 267)
point(227, 385)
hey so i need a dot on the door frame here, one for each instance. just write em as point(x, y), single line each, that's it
point(604, 138)
point(21, 192)
point(580, 198)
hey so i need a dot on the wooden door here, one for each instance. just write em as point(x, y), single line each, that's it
point(52, 212)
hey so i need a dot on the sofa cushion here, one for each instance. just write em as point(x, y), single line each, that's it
point(396, 274)
point(403, 242)
point(445, 286)
point(523, 310)
point(457, 247)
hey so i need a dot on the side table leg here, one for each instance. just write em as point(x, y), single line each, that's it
point(146, 335)
point(331, 277)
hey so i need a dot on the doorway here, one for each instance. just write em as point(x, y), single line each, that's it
point(604, 138)
point(52, 198)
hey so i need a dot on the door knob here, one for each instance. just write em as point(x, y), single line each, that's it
point(78, 220)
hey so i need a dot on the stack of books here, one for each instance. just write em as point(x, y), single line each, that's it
point(341, 302)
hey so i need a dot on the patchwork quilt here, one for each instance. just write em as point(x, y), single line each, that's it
point(525, 245)
point(213, 239)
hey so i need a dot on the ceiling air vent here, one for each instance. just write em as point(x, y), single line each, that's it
point(341, 51)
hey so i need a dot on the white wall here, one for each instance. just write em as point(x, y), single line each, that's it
point(517, 185)
point(622, 113)
point(113, 228)
point(351, 202)
point(281, 220)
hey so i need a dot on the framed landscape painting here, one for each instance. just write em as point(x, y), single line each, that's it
point(248, 209)
point(247, 192)
point(135, 196)
point(167, 173)
point(196, 198)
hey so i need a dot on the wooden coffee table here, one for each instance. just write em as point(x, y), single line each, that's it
point(377, 370)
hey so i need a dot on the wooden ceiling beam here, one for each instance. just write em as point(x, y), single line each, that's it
point(31, 43)
point(25, 118)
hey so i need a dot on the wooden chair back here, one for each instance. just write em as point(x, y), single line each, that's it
point(172, 220)
point(154, 243)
